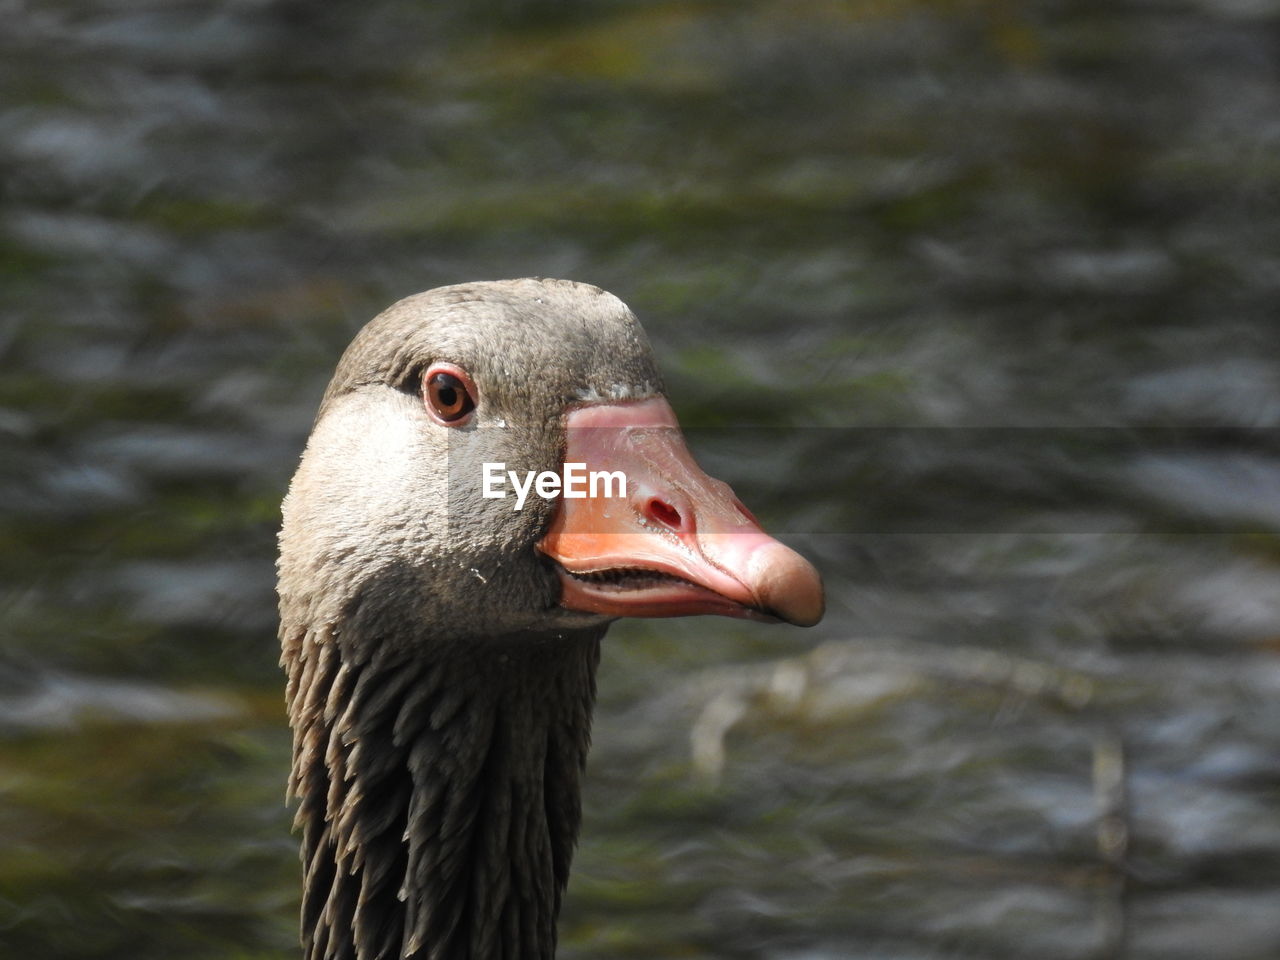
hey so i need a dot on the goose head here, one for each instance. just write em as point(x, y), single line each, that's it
point(389, 504)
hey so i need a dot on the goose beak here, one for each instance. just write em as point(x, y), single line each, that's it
point(671, 542)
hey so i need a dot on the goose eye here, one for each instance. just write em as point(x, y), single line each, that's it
point(448, 394)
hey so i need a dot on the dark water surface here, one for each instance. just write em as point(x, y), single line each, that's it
point(976, 303)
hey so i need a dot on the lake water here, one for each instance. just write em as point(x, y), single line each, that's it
point(977, 304)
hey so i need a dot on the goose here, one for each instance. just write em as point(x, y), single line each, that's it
point(440, 640)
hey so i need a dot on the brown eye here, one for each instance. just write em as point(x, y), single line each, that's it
point(448, 393)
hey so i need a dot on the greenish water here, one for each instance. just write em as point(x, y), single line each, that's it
point(975, 303)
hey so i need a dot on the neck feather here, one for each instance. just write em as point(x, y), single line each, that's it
point(439, 795)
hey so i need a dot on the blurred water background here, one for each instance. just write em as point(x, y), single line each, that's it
point(975, 301)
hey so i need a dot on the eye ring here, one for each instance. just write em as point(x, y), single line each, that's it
point(448, 394)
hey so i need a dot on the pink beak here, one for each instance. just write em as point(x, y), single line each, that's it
point(678, 542)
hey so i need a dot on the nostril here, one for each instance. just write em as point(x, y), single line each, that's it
point(664, 513)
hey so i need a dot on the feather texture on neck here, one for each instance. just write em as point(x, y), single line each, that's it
point(439, 794)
